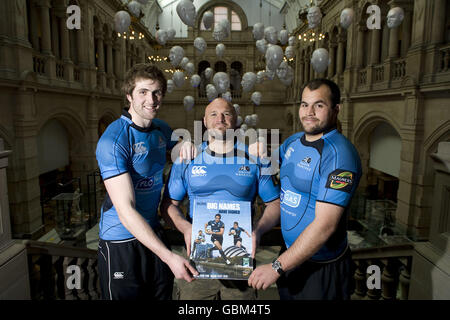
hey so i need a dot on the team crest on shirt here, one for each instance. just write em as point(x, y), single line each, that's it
point(304, 164)
point(340, 180)
point(244, 171)
point(139, 148)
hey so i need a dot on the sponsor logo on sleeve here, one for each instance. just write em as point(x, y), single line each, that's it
point(341, 180)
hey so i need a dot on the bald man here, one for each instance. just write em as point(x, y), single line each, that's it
point(221, 156)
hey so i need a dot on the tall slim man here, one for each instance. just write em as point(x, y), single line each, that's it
point(134, 261)
point(319, 173)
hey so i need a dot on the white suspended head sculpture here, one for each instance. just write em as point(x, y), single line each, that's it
point(289, 52)
point(200, 45)
point(227, 96)
point(161, 36)
point(346, 18)
point(188, 103)
point(221, 82)
point(274, 56)
point(208, 19)
point(260, 76)
point(220, 50)
point(122, 21)
point(256, 97)
point(291, 41)
point(208, 73)
point(248, 81)
point(178, 78)
point(314, 17)
point(135, 8)
point(195, 80)
point(258, 31)
point(211, 92)
point(176, 53)
point(261, 45)
point(271, 34)
point(320, 60)
point(283, 36)
point(186, 12)
point(170, 85)
point(395, 17)
point(189, 68)
point(184, 62)
point(171, 32)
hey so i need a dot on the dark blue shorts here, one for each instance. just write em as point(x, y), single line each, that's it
point(319, 281)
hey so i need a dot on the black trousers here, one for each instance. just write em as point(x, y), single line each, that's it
point(130, 271)
point(319, 281)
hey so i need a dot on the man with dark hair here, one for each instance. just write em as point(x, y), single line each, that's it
point(319, 173)
point(134, 260)
point(216, 229)
point(236, 231)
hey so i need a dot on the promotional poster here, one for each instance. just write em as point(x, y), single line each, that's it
point(221, 243)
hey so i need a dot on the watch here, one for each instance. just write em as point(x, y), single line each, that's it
point(276, 265)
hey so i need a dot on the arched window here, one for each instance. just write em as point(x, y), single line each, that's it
point(236, 70)
point(220, 66)
point(203, 82)
point(221, 13)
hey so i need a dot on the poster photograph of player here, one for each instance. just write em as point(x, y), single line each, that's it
point(221, 243)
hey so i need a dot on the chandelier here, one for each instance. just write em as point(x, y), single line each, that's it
point(311, 36)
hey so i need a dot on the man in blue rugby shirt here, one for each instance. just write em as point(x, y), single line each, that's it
point(134, 262)
point(319, 173)
point(223, 170)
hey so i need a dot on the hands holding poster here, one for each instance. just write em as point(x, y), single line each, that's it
point(221, 243)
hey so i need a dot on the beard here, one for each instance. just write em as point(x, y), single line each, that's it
point(319, 127)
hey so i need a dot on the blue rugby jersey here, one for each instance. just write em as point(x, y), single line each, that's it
point(125, 147)
point(326, 170)
point(235, 176)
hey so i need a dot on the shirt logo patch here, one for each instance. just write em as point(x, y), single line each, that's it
point(139, 148)
point(118, 275)
point(198, 171)
point(304, 164)
point(244, 171)
point(288, 152)
point(307, 160)
point(145, 183)
point(162, 143)
point(290, 198)
point(341, 180)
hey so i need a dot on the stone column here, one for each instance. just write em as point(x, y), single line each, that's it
point(331, 52)
point(410, 208)
point(65, 45)
point(360, 49)
point(438, 23)
point(15, 284)
point(55, 36)
point(340, 53)
point(44, 8)
point(393, 43)
point(406, 31)
point(100, 59)
point(24, 192)
point(375, 46)
point(32, 28)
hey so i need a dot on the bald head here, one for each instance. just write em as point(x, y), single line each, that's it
point(220, 115)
